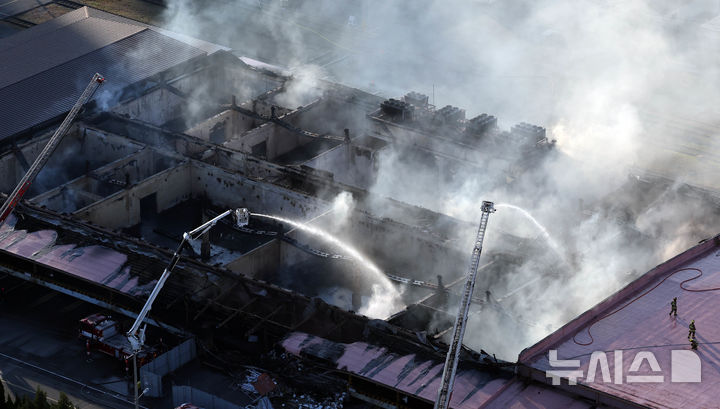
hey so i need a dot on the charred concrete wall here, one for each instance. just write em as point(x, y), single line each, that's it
point(122, 209)
point(264, 103)
point(332, 116)
point(156, 107)
point(350, 164)
point(204, 84)
point(71, 197)
point(245, 164)
point(75, 195)
point(255, 141)
point(260, 262)
point(168, 142)
point(246, 83)
point(81, 150)
point(199, 180)
point(221, 81)
point(397, 248)
point(104, 181)
point(225, 189)
point(224, 126)
point(137, 167)
point(178, 144)
point(268, 140)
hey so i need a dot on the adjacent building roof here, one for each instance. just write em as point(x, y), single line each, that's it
point(44, 69)
point(420, 377)
point(411, 374)
point(520, 394)
point(634, 329)
point(42, 47)
point(93, 263)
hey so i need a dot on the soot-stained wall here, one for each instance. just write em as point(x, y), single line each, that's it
point(199, 180)
point(82, 149)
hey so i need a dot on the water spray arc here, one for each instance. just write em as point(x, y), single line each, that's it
point(387, 289)
point(453, 355)
point(552, 243)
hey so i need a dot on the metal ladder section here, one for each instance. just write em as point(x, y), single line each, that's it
point(54, 141)
point(453, 355)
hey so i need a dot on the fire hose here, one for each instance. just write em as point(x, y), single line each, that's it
point(682, 286)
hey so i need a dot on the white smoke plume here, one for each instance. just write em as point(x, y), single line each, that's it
point(616, 83)
point(381, 301)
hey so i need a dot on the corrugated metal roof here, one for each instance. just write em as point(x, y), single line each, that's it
point(524, 395)
point(195, 42)
point(79, 255)
point(65, 20)
point(59, 46)
point(635, 322)
point(52, 92)
point(94, 23)
point(412, 374)
point(94, 263)
point(44, 28)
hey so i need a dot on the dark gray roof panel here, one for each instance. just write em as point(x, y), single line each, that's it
point(44, 28)
point(54, 91)
point(59, 46)
point(58, 23)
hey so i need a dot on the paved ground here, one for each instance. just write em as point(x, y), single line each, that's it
point(39, 348)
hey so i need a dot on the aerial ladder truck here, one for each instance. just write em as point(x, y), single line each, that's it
point(453, 355)
point(14, 198)
point(135, 334)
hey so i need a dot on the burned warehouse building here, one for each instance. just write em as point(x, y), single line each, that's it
point(187, 226)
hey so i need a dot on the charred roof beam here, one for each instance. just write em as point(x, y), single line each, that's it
point(283, 124)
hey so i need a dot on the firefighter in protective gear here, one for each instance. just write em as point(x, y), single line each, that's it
point(673, 306)
point(693, 343)
point(691, 333)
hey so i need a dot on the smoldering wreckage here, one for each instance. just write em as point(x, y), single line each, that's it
point(342, 275)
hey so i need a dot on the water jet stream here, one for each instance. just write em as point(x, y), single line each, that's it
point(553, 244)
point(385, 299)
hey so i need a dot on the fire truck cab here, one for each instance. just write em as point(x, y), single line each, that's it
point(104, 334)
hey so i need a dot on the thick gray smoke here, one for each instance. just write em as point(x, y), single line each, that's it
point(608, 79)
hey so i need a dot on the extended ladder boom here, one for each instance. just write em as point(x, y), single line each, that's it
point(135, 335)
point(453, 355)
point(42, 159)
